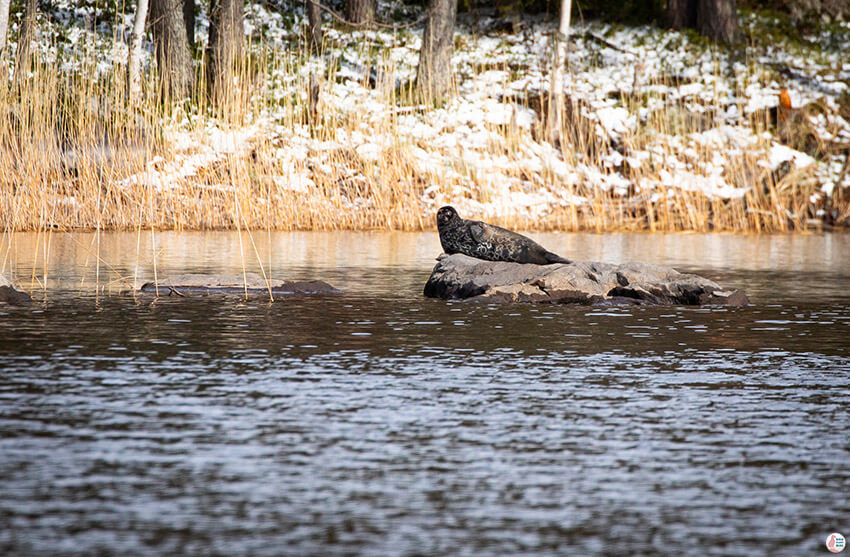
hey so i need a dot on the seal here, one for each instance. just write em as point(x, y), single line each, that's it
point(486, 241)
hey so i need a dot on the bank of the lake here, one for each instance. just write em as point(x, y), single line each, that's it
point(664, 131)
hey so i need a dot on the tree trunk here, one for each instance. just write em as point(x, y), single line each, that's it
point(680, 14)
point(556, 88)
point(189, 21)
point(718, 20)
point(715, 19)
point(225, 46)
point(433, 76)
point(4, 24)
point(27, 34)
point(173, 58)
point(314, 18)
point(134, 83)
point(360, 12)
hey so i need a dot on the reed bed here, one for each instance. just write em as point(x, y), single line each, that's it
point(74, 156)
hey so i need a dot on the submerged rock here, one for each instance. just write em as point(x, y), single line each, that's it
point(460, 276)
point(181, 285)
point(9, 294)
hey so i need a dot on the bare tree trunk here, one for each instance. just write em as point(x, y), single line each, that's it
point(189, 21)
point(433, 75)
point(173, 58)
point(27, 33)
point(715, 19)
point(680, 14)
point(556, 88)
point(360, 12)
point(718, 20)
point(4, 24)
point(314, 18)
point(134, 78)
point(225, 45)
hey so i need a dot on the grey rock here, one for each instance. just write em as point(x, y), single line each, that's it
point(182, 285)
point(463, 277)
point(9, 294)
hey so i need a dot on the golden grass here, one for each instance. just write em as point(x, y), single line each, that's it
point(67, 141)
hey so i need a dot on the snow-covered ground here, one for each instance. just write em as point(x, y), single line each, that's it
point(667, 113)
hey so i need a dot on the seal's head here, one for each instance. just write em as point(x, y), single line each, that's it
point(446, 215)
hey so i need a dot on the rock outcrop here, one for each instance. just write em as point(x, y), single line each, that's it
point(195, 284)
point(9, 294)
point(461, 277)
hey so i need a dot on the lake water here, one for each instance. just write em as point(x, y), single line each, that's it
point(379, 422)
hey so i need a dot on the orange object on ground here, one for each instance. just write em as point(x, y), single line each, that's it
point(784, 104)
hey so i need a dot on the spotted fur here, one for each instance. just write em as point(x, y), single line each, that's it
point(486, 241)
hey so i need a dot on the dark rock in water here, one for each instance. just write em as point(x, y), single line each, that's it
point(182, 285)
point(10, 295)
point(461, 276)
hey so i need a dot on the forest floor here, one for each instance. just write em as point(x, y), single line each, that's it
point(665, 130)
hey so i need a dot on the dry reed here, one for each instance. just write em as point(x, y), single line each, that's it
point(68, 143)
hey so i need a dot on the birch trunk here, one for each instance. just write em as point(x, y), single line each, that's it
point(557, 102)
point(134, 78)
point(4, 24)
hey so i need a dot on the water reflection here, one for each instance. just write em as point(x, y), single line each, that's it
point(812, 266)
